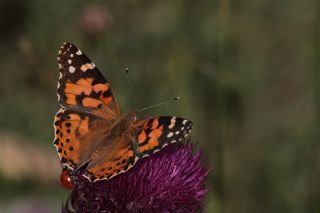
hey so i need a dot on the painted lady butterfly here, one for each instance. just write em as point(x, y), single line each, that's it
point(91, 132)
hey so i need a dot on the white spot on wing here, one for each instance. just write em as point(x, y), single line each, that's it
point(72, 69)
point(170, 134)
point(184, 122)
point(69, 61)
point(177, 132)
point(164, 145)
point(172, 122)
point(79, 52)
point(71, 55)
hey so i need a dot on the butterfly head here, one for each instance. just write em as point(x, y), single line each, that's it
point(132, 115)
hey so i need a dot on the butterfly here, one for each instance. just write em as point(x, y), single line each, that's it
point(90, 130)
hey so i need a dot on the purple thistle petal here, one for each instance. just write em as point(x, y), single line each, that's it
point(171, 180)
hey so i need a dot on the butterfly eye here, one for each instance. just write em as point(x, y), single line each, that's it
point(134, 118)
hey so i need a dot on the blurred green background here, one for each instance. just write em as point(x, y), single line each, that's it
point(248, 72)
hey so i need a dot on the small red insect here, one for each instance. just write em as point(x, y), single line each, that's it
point(65, 179)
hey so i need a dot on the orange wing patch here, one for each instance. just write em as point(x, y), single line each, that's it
point(142, 136)
point(155, 123)
point(154, 135)
point(79, 88)
point(105, 92)
point(91, 102)
point(151, 142)
point(71, 99)
point(148, 138)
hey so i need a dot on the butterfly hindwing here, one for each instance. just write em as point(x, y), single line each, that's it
point(73, 136)
point(120, 157)
point(155, 133)
point(81, 85)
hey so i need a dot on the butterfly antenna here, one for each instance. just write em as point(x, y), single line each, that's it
point(159, 104)
point(129, 88)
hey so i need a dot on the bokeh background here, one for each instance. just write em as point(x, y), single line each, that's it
point(248, 72)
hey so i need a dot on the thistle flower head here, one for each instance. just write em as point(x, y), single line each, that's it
point(171, 180)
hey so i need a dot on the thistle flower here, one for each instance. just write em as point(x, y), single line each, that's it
point(171, 180)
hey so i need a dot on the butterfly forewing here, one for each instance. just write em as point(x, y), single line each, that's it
point(81, 85)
